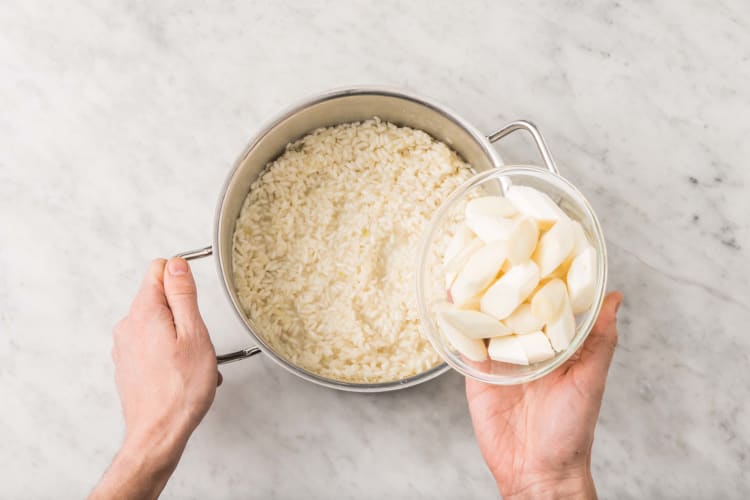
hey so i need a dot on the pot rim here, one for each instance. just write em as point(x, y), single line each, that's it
point(226, 283)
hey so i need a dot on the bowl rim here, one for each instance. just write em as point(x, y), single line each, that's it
point(424, 248)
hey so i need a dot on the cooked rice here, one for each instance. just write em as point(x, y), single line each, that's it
point(325, 248)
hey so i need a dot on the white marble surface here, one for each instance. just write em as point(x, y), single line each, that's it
point(119, 121)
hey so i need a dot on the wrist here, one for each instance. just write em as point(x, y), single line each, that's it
point(569, 483)
point(154, 450)
point(143, 465)
point(161, 439)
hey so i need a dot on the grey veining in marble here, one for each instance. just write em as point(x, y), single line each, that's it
point(119, 121)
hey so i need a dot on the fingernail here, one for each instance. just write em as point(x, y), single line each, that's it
point(177, 267)
point(617, 307)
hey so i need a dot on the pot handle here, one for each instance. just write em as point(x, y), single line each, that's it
point(535, 134)
point(232, 356)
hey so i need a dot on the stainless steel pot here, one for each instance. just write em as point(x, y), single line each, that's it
point(332, 108)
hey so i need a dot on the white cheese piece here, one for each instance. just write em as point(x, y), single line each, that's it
point(536, 346)
point(562, 330)
point(580, 239)
point(460, 240)
point(493, 206)
point(504, 296)
point(454, 265)
point(478, 272)
point(547, 302)
point(522, 240)
point(554, 247)
point(490, 228)
point(508, 350)
point(474, 324)
point(533, 203)
point(523, 321)
point(582, 280)
point(473, 349)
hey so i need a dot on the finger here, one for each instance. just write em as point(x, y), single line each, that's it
point(597, 351)
point(219, 379)
point(182, 296)
point(151, 292)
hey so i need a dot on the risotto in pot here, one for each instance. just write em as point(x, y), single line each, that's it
point(324, 249)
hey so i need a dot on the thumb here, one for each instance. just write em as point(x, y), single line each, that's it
point(597, 351)
point(182, 296)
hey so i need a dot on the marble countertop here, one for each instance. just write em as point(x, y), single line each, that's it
point(120, 120)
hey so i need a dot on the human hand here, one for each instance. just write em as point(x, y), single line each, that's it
point(166, 375)
point(536, 438)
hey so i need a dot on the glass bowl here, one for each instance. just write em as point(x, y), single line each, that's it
point(431, 278)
